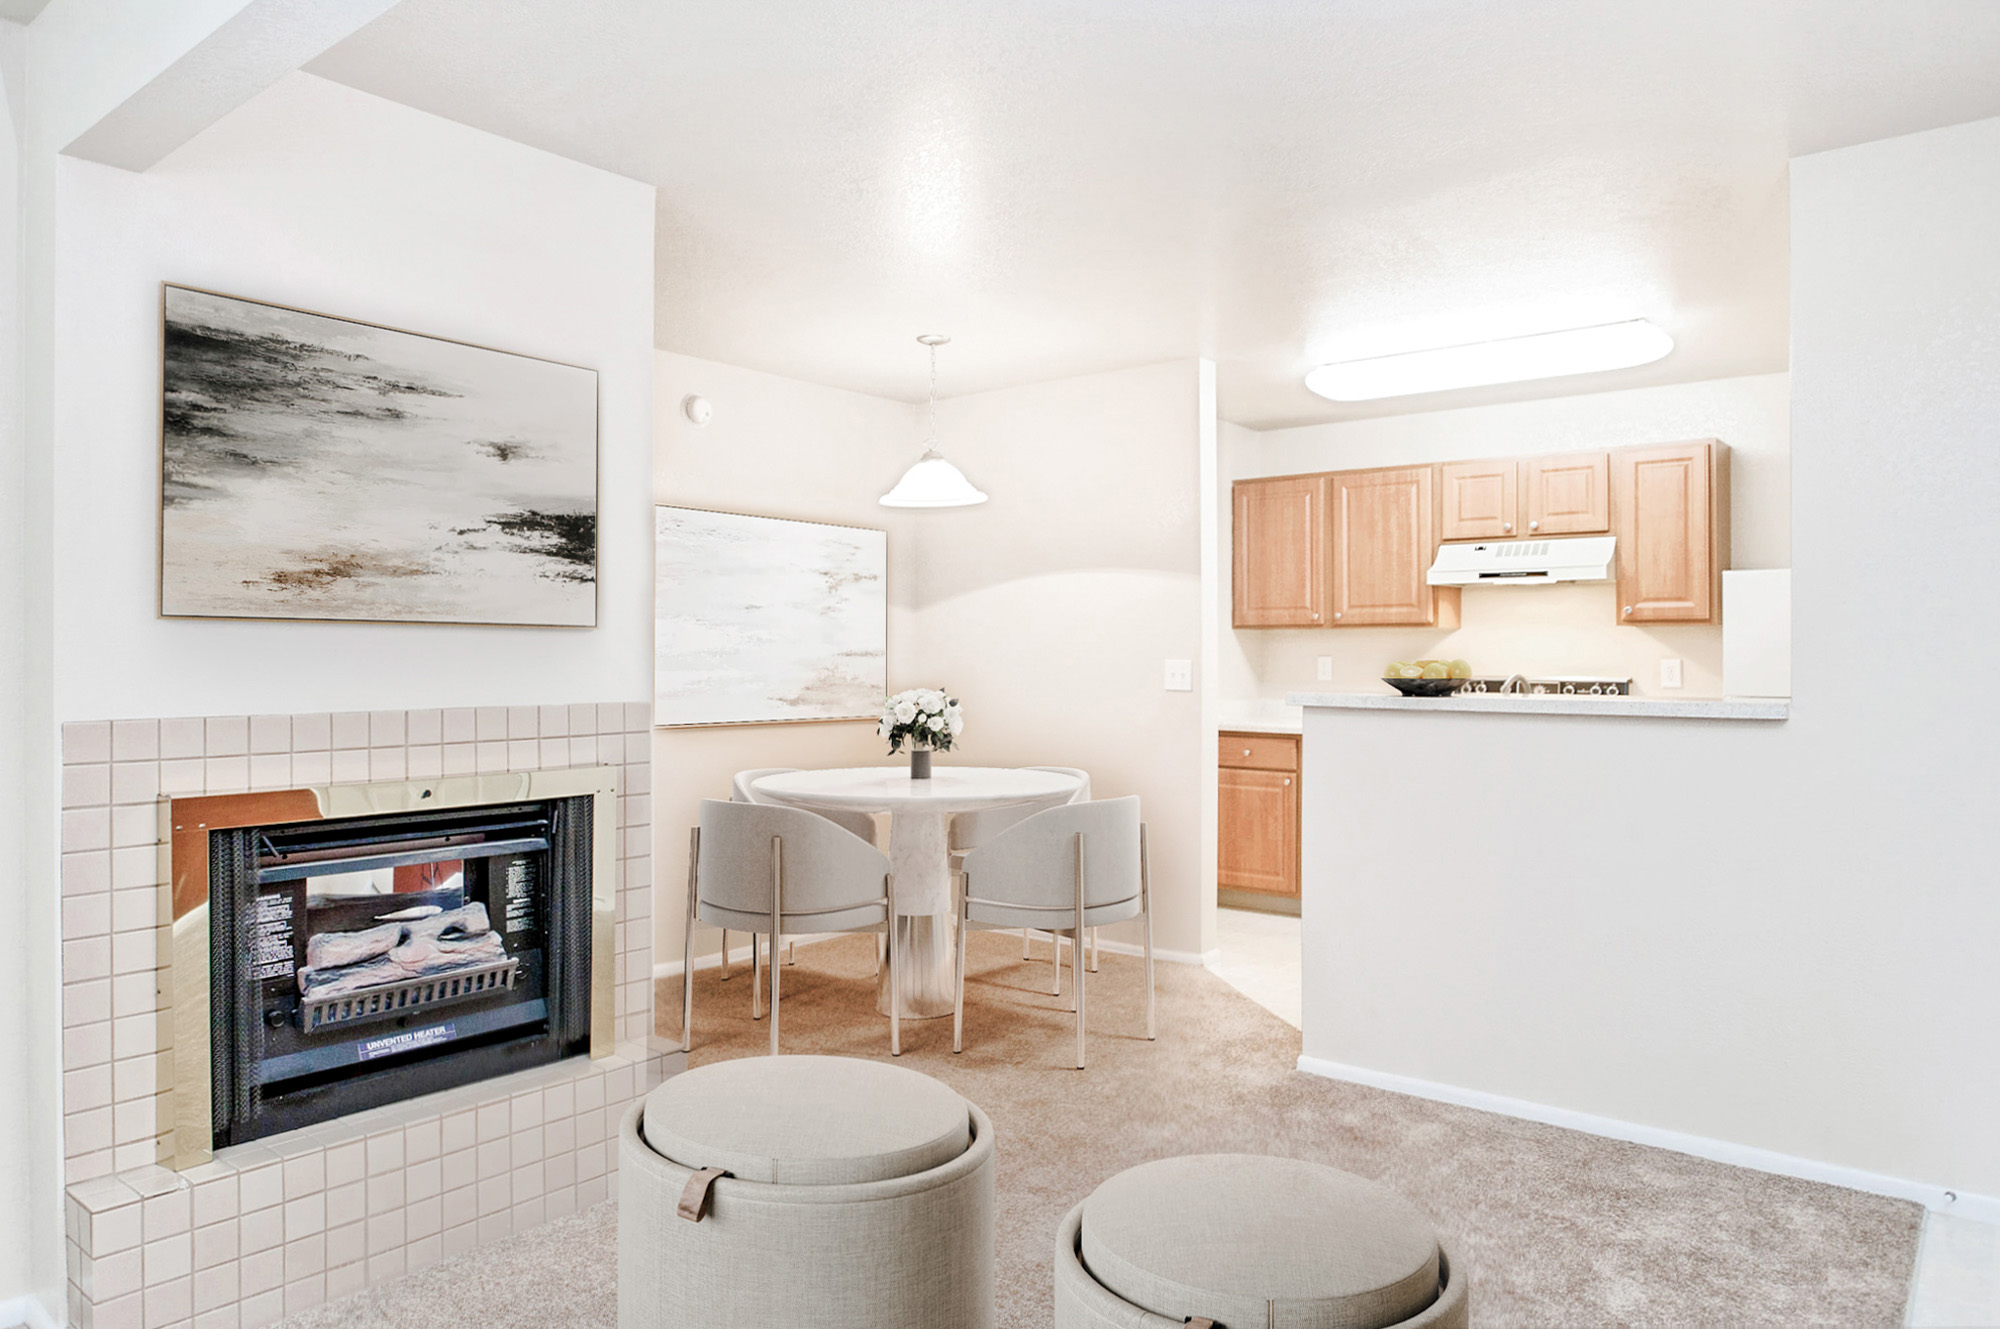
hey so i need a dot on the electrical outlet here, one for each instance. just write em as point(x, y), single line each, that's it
point(1324, 669)
point(1180, 676)
point(1670, 673)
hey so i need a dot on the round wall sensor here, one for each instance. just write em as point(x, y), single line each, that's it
point(697, 408)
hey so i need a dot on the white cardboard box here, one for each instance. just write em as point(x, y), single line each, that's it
point(1757, 633)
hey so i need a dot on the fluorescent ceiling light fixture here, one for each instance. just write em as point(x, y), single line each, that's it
point(933, 482)
point(1514, 360)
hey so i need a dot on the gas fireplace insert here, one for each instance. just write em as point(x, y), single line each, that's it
point(354, 961)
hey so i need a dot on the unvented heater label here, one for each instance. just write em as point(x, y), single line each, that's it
point(408, 1041)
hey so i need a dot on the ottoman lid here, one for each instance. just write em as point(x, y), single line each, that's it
point(807, 1121)
point(1247, 1239)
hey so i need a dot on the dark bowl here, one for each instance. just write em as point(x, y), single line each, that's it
point(1427, 687)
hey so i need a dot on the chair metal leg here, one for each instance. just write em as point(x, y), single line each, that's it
point(1055, 963)
point(1146, 913)
point(725, 957)
point(777, 923)
point(791, 952)
point(756, 978)
point(958, 998)
point(1093, 950)
point(895, 969)
point(1076, 951)
point(1027, 952)
point(687, 947)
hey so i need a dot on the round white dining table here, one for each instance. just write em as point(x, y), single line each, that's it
point(920, 813)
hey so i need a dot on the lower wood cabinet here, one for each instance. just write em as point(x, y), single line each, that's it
point(1257, 829)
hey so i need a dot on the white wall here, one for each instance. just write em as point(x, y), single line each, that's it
point(776, 447)
point(1775, 935)
point(1051, 608)
point(1571, 629)
point(18, 1202)
point(318, 196)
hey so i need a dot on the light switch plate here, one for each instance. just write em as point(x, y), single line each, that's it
point(1323, 669)
point(1670, 673)
point(1180, 676)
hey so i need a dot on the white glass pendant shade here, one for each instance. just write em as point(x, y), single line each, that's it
point(933, 483)
point(1514, 360)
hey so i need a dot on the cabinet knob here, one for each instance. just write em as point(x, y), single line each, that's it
point(1315, 616)
point(1628, 611)
point(1246, 752)
point(1507, 526)
point(1288, 779)
point(1534, 526)
point(1336, 613)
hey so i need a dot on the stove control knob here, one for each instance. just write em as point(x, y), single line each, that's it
point(276, 1017)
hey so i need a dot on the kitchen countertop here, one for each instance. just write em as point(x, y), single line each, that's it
point(1493, 703)
point(1259, 717)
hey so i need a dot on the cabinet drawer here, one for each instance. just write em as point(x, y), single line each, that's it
point(1260, 752)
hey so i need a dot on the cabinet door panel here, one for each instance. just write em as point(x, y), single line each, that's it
point(1279, 575)
point(1568, 495)
point(1257, 842)
point(1479, 499)
point(1662, 505)
point(1383, 542)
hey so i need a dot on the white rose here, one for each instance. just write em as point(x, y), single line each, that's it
point(955, 723)
point(906, 711)
point(929, 700)
point(935, 723)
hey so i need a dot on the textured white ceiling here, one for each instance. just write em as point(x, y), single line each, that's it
point(1072, 185)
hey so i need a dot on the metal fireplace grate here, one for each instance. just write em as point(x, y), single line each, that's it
point(412, 994)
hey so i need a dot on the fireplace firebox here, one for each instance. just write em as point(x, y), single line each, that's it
point(371, 959)
point(431, 938)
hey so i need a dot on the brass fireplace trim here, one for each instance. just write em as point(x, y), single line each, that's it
point(189, 1137)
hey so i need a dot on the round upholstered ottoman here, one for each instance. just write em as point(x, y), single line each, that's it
point(1242, 1240)
point(824, 1191)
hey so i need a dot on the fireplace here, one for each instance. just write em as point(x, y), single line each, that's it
point(344, 948)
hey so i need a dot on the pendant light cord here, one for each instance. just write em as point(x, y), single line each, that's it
point(930, 433)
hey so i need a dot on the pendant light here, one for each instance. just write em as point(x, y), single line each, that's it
point(933, 482)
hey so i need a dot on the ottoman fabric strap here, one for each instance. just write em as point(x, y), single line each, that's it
point(694, 1197)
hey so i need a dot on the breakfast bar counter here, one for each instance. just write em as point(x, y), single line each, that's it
point(1513, 703)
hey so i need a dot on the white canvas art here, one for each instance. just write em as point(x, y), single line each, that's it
point(760, 619)
point(318, 468)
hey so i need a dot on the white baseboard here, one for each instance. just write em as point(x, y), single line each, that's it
point(741, 955)
point(1983, 1208)
point(28, 1311)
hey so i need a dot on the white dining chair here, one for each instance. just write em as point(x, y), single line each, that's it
point(969, 830)
point(742, 790)
point(1078, 866)
point(764, 869)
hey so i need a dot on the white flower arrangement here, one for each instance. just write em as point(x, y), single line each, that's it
point(922, 718)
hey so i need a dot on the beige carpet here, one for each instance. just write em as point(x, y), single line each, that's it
point(1555, 1228)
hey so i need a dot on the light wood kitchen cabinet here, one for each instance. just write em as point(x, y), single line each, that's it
point(1384, 540)
point(1281, 554)
point(1257, 832)
point(1670, 512)
point(1480, 499)
point(1566, 495)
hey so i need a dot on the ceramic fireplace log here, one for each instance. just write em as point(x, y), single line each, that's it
point(333, 950)
point(457, 939)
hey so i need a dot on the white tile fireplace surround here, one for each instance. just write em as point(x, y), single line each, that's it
point(272, 1227)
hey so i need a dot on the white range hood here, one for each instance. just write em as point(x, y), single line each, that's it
point(1524, 562)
